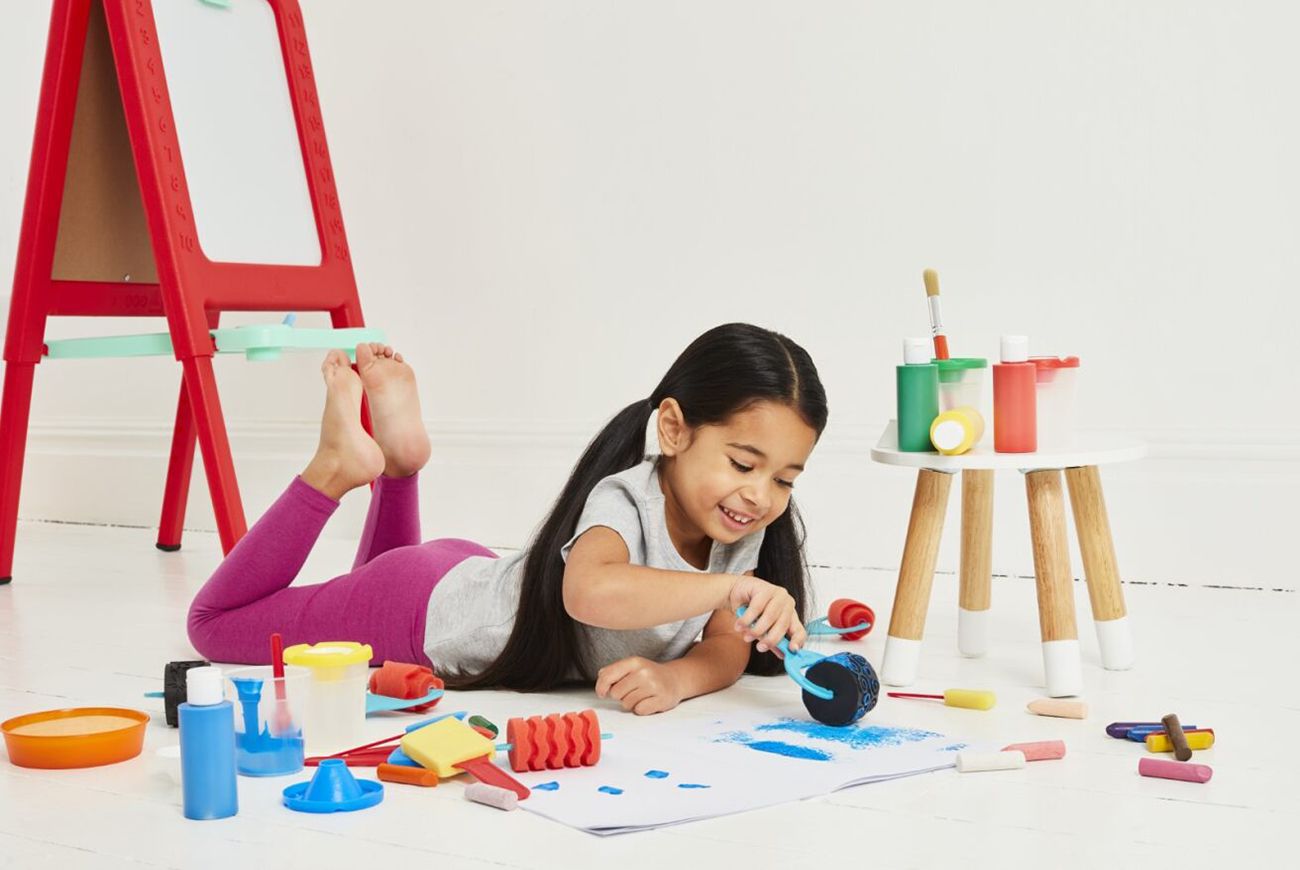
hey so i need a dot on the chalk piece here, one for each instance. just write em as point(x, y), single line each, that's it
point(1042, 750)
point(1196, 739)
point(970, 762)
point(1182, 751)
point(1059, 707)
point(407, 775)
point(1181, 770)
point(492, 796)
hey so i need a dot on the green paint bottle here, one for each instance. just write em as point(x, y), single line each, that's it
point(918, 396)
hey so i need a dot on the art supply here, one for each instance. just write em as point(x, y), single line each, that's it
point(1194, 738)
point(1120, 730)
point(1041, 750)
point(1056, 380)
point(77, 737)
point(838, 689)
point(847, 618)
point(281, 719)
point(409, 775)
point(972, 699)
point(931, 279)
point(1165, 769)
point(335, 713)
point(1177, 738)
point(1015, 408)
point(961, 382)
point(1059, 707)
point(399, 680)
point(207, 723)
point(450, 747)
point(554, 741)
point(263, 745)
point(972, 762)
point(1140, 733)
point(492, 796)
point(957, 431)
point(332, 789)
point(173, 693)
point(917, 384)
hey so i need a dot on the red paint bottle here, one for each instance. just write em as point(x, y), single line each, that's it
point(1015, 410)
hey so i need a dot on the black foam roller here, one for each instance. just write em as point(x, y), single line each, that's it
point(855, 686)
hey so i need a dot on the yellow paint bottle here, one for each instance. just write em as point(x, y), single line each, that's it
point(957, 431)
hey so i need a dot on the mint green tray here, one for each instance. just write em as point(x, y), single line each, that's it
point(257, 343)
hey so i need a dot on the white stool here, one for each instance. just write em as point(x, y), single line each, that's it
point(1042, 473)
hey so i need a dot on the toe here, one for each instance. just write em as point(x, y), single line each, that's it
point(365, 355)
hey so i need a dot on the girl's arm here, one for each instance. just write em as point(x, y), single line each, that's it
point(714, 663)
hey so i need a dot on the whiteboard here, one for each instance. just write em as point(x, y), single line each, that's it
point(238, 137)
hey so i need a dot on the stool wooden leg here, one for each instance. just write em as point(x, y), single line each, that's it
point(976, 562)
point(915, 576)
point(1100, 568)
point(1055, 585)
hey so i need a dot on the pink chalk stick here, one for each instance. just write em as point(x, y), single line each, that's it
point(1043, 750)
point(1175, 770)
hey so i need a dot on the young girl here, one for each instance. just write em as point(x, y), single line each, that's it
point(637, 557)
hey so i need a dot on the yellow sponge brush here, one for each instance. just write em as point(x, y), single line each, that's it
point(445, 744)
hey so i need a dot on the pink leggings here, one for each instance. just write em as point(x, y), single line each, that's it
point(382, 601)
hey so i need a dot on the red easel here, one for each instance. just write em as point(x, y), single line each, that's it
point(107, 198)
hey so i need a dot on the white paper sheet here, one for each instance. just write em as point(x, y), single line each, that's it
point(695, 769)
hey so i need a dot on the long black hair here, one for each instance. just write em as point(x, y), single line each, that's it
point(725, 370)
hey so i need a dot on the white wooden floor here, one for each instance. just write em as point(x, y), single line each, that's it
point(94, 613)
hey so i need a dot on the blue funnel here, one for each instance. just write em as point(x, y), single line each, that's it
point(333, 789)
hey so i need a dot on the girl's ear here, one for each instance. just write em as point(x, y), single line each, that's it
point(674, 434)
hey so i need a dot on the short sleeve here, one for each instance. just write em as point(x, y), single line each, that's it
point(613, 505)
point(744, 555)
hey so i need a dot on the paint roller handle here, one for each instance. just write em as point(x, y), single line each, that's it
point(796, 662)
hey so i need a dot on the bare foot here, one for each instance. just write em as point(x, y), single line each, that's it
point(394, 409)
point(347, 457)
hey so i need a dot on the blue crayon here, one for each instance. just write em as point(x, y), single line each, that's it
point(1119, 730)
point(1139, 734)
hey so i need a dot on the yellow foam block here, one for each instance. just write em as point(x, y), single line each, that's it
point(1195, 740)
point(446, 743)
point(974, 699)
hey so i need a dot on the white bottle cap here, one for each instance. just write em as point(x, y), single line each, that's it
point(1015, 348)
point(947, 435)
point(916, 351)
point(203, 686)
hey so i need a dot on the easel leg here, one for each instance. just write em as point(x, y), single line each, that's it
point(1055, 586)
point(1100, 567)
point(179, 471)
point(976, 562)
point(915, 576)
point(201, 385)
point(14, 414)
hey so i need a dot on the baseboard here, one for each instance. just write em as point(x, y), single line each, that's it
point(1205, 508)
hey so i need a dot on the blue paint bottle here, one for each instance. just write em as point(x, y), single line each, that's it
point(207, 724)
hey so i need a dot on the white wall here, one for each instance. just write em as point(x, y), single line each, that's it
point(533, 189)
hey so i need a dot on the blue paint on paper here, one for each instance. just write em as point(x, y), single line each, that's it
point(657, 774)
point(789, 750)
point(692, 785)
point(547, 786)
point(863, 737)
point(956, 747)
point(609, 789)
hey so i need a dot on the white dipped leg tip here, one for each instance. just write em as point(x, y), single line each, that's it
point(902, 659)
point(1062, 668)
point(1116, 642)
point(972, 632)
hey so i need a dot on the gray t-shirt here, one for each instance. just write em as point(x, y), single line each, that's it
point(472, 609)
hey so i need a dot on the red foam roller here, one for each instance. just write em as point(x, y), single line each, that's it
point(400, 680)
point(593, 737)
point(846, 611)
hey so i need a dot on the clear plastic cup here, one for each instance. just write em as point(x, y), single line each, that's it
point(268, 718)
point(961, 382)
point(1057, 381)
point(335, 716)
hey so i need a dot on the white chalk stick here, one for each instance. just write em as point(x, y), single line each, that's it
point(969, 762)
point(493, 796)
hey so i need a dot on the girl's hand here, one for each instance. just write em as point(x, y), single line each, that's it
point(770, 614)
point(640, 685)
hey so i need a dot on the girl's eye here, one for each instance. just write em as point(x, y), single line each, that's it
point(788, 484)
point(741, 468)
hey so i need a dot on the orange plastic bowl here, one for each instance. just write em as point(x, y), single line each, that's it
point(79, 737)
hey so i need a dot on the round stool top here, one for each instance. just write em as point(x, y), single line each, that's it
point(1090, 448)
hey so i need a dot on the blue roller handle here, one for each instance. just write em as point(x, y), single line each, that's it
point(796, 662)
point(822, 625)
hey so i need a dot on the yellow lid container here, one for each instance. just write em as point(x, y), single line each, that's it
point(957, 431)
point(329, 660)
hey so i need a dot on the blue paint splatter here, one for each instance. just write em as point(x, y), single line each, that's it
point(657, 774)
point(789, 750)
point(692, 785)
point(864, 737)
point(609, 789)
point(547, 786)
point(955, 747)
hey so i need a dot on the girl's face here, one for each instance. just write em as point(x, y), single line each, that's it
point(730, 480)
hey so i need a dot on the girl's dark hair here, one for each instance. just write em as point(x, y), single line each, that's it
point(725, 370)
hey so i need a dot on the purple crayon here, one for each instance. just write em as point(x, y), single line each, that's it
point(1120, 730)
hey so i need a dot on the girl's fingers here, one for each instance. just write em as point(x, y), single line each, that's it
point(798, 635)
point(611, 674)
point(778, 631)
point(648, 706)
point(634, 697)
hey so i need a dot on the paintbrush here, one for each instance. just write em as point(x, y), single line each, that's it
point(931, 279)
